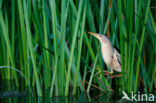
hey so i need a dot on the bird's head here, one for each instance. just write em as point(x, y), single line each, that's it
point(102, 38)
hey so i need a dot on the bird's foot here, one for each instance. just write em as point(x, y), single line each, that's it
point(108, 73)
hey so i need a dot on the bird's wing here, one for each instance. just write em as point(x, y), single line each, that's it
point(118, 56)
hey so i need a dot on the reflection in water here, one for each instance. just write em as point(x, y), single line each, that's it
point(10, 94)
point(82, 98)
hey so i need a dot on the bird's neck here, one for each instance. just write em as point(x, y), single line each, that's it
point(106, 53)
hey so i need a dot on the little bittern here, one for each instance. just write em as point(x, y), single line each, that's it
point(110, 55)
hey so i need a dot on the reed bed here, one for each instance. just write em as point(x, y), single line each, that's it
point(44, 44)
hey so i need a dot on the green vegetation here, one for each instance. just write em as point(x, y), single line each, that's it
point(46, 41)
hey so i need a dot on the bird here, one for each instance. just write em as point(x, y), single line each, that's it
point(110, 55)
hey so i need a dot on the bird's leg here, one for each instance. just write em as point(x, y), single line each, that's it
point(108, 73)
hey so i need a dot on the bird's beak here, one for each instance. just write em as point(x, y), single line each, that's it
point(95, 34)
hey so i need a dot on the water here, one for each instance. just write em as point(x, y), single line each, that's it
point(11, 94)
point(82, 98)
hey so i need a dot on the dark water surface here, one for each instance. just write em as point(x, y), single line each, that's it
point(10, 94)
point(82, 98)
